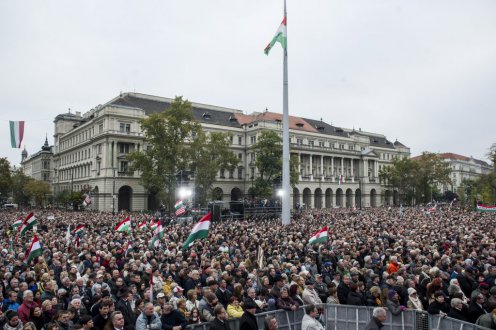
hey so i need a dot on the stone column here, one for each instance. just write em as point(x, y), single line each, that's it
point(311, 167)
point(332, 169)
point(322, 167)
point(342, 166)
point(299, 166)
point(352, 174)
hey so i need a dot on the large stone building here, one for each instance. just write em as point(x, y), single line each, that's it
point(338, 167)
point(39, 165)
point(463, 168)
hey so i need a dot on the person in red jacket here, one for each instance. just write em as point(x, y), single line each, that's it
point(24, 310)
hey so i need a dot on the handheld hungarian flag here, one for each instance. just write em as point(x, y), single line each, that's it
point(280, 37)
point(154, 225)
point(124, 225)
point(27, 224)
point(16, 133)
point(432, 209)
point(79, 230)
point(159, 233)
point(17, 222)
point(142, 226)
point(485, 208)
point(34, 250)
point(319, 237)
point(200, 230)
point(151, 289)
point(180, 208)
point(129, 248)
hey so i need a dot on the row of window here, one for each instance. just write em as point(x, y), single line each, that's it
point(76, 156)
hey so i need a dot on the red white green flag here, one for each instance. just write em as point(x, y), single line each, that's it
point(318, 237)
point(27, 224)
point(16, 133)
point(79, 230)
point(154, 225)
point(280, 37)
point(180, 208)
point(124, 225)
point(199, 231)
point(142, 226)
point(34, 251)
point(129, 248)
point(486, 208)
point(17, 222)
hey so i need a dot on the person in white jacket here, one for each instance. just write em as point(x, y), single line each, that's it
point(309, 321)
point(310, 296)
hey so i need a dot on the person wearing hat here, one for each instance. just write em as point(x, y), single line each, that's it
point(414, 301)
point(248, 321)
point(393, 302)
point(310, 296)
point(124, 306)
point(321, 287)
point(161, 299)
point(177, 294)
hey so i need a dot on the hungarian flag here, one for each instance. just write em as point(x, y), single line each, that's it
point(200, 230)
point(124, 225)
point(154, 225)
point(485, 208)
point(129, 248)
point(16, 133)
point(280, 37)
point(27, 224)
point(79, 230)
point(159, 233)
point(17, 222)
point(180, 208)
point(341, 179)
point(34, 250)
point(319, 237)
point(142, 225)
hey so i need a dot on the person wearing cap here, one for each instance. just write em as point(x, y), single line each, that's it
point(309, 321)
point(161, 299)
point(393, 302)
point(310, 296)
point(177, 294)
point(248, 321)
point(321, 287)
point(148, 319)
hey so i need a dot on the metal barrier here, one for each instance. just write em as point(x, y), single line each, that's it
point(347, 317)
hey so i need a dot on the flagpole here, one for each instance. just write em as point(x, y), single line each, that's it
point(286, 213)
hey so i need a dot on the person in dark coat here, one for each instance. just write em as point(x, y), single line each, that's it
point(438, 306)
point(172, 318)
point(475, 308)
point(248, 321)
point(220, 321)
point(457, 311)
point(379, 316)
point(124, 306)
point(355, 297)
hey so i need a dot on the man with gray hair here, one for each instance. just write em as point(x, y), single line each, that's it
point(148, 319)
point(379, 316)
point(24, 310)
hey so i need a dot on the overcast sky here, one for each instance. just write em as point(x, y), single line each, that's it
point(422, 72)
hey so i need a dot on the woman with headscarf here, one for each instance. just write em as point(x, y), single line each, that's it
point(413, 300)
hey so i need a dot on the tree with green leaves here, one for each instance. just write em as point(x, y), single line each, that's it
point(401, 176)
point(38, 191)
point(268, 150)
point(5, 179)
point(19, 182)
point(210, 153)
point(432, 169)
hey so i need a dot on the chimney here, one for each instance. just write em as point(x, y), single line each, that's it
point(78, 113)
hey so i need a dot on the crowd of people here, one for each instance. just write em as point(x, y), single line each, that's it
point(442, 263)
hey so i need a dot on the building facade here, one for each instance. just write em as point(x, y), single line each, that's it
point(463, 168)
point(39, 165)
point(337, 167)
